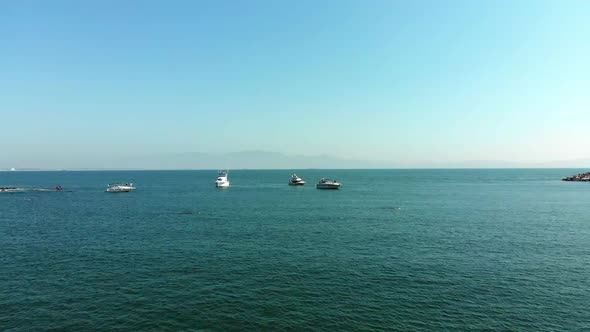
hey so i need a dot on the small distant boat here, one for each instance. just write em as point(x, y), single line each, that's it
point(328, 184)
point(296, 181)
point(120, 188)
point(222, 181)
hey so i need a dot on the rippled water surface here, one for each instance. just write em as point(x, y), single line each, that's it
point(392, 250)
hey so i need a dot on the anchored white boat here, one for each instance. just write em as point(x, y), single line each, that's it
point(120, 188)
point(296, 181)
point(222, 181)
point(328, 184)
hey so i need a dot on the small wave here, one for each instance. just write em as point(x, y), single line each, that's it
point(187, 212)
point(12, 189)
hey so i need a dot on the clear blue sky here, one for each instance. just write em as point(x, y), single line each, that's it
point(405, 82)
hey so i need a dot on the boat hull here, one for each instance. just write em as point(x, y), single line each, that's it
point(300, 183)
point(328, 186)
point(119, 190)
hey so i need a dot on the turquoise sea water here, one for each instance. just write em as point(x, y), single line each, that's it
point(392, 250)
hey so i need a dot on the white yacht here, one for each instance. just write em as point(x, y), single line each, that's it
point(328, 184)
point(296, 181)
point(222, 181)
point(120, 188)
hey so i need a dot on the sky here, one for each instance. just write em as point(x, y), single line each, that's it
point(402, 83)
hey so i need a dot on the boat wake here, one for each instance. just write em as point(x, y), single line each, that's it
point(24, 189)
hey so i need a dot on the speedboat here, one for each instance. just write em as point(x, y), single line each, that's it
point(120, 188)
point(222, 181)
point(296, 181)
point(328, 184)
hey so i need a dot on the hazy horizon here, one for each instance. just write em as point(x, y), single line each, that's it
point(271, 160)
point(406, 85)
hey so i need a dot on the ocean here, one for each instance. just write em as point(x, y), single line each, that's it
point(395, 250)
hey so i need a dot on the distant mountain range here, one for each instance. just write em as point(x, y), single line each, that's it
point(247, 160)
point(267, 160)
point(576, 163)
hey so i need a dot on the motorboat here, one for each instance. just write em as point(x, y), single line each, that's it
point(120, 188)
point(328, 184)
point(222, 181)
point(296, 181)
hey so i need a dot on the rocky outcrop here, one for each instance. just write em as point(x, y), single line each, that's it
point(583, 177)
